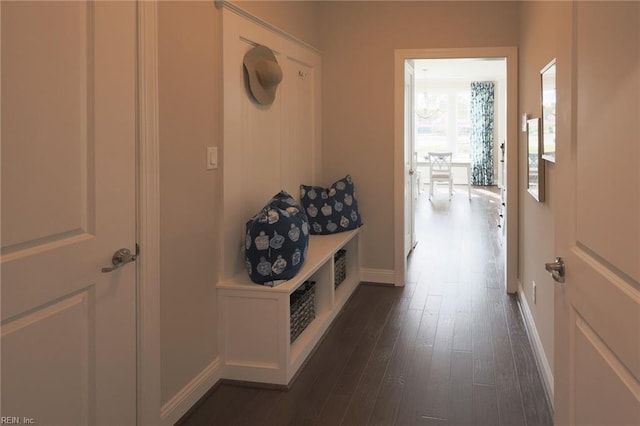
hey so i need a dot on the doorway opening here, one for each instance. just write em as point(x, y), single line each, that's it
point(437, 95)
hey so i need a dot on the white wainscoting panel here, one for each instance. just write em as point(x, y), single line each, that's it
point(266, 148)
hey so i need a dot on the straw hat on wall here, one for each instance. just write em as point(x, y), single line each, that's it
point(264, 73)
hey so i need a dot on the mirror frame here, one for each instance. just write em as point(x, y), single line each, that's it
point(535, 165)
point(548, 98)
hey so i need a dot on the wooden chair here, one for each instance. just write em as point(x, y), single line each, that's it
point(440, 170)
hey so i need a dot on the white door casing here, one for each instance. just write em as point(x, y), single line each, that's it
point(148, 263)
point(511, 161)
point(597, 309)
point(68, 203)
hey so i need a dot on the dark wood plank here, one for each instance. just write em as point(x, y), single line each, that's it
point(364, 396)
point(536, 409)
point(437, 288)
point(338, 398)
point(485, 406)
point(462, 333)
point(515, 321)
point(463, 295)
point(461, 394)
point(259, 408)
point(507, 384)
point(431, 421)
point(410, 410)
point(414, 268)
point(406, 292)
point(388, 399)
point(492, 278)
point(483, 360)
point(436, 396)
point(419, 296)
point(224, 408)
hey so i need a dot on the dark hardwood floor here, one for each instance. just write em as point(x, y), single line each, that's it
point(450, 348)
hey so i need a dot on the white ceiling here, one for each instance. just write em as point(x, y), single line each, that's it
point(460, 69)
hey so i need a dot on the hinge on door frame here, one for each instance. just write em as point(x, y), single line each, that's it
point(137, 249)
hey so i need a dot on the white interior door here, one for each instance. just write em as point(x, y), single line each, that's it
point(597, 333)
point(410, 187)
point(68, 203)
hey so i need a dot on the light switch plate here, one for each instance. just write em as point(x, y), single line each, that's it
point(212, 157)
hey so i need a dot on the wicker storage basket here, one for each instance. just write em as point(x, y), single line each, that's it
point(340, 260)
point(302, 303)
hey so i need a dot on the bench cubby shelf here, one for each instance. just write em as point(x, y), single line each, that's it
point(254, 318)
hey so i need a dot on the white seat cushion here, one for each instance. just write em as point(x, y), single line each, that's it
point(440, 175)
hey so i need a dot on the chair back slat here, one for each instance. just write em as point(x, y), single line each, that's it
point(440, 162)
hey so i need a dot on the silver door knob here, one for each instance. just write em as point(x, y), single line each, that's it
point(120, 258)
point(557, 269)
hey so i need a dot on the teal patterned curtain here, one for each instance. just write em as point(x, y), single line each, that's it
point(482, 133)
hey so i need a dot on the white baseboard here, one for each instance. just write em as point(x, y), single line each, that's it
point(181, 402)
point(384, 276)
point(538, 350)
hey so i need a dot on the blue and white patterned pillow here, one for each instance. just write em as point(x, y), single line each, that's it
point(333, 209)
point(276, 241)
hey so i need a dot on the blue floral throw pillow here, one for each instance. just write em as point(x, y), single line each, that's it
point(276, 242)
point(331, 210)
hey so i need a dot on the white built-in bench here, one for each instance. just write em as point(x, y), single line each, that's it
point(254, 319)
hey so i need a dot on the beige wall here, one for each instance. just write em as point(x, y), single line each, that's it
point(189, 83)
point(544, 35)
point(298, 18)
point(358, 40)
point(190, 121)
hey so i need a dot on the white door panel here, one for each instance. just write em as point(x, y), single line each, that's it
point(597, 369)
point(607, 304)
point(597, 333)
point(68, 203)
point(410, 187)
point(54, 343)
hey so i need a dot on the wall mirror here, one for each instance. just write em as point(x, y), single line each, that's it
point(548, 80)
point(535, 165)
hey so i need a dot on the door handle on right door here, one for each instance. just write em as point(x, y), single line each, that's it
point(557, 269)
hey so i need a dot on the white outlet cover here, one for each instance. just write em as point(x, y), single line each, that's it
point(212, 157)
